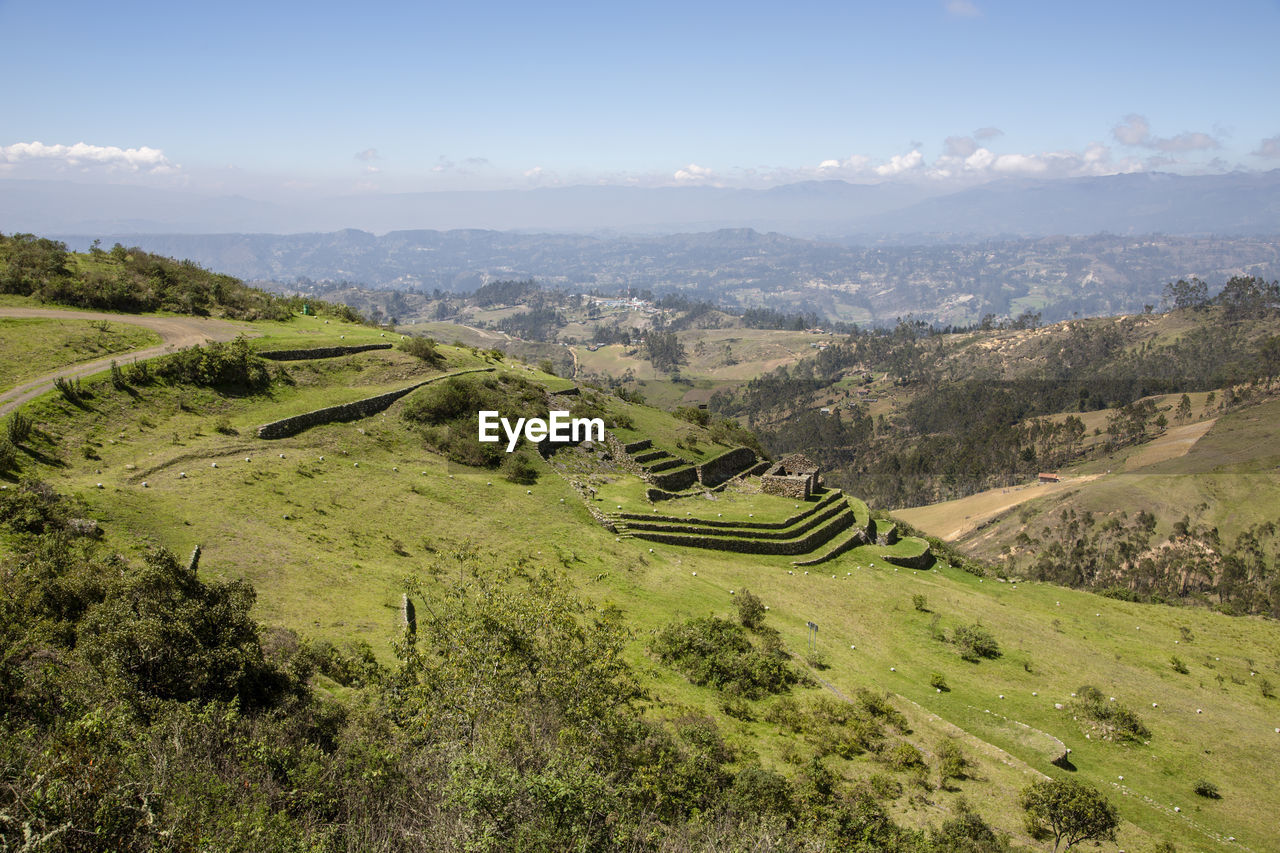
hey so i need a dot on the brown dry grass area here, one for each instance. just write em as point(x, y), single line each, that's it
point(1175, 442)
point(951, 520)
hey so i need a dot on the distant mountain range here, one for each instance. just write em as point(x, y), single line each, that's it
point(1242, 203)
point(951, 283)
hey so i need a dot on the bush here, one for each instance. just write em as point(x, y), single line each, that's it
point(903, 756)
point(750, 610)
point(224, 427)
point(952, 763)
point(232, 366)
point(8, 456)
point(517, 468)
point(975, 642)
point(69, 389)
point(1178, 665)
point(717, 653)
point(939, 682)
point(1207, 789)
point(423, 348)
point(919, 602)
point(1119, 721)
point(18, 428)
point(447, 414)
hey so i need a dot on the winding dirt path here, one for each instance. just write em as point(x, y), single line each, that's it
point(176, 332)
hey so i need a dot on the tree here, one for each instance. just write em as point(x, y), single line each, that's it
point(1269, 355)
point(1070, 811)
point(1187, 294)
point(1184, 408)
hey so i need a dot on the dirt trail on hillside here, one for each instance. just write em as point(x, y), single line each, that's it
point(176, 332)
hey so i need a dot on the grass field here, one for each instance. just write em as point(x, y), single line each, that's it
point(30, 348)
point(327, 524)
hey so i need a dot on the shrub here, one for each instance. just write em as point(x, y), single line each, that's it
point(18, 428)
point(424, 349)
point(69, 389)
point(750, 609)
point(716, 652)
point(1118, 720)
point(1268, 690)
point(231, 365)
point(224, 426)
point(919, 602)
point(938, 682)
point(139, 373)
point(447, 414)
point(117, 377)
point(517, 468)
point(1207, 789)
point(8, 456)
point(903, 756)
point(975, 642)
point(737, 707)
point(1178, 665)
point(951, 761)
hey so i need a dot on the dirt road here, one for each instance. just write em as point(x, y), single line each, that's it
point(176, 332)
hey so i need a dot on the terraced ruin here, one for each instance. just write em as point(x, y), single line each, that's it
point(828, 522)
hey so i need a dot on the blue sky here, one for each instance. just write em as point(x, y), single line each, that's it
point(271, 98)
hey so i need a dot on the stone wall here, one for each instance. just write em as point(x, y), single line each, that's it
point(790, 547)
point(919, 561)
point(859, 537)
point(798, 487)
point(319, 352)
point(348, 411)
point(681, 478)
point(621, 456)
point(726, 466)
point(831, 497)
point(701, 529)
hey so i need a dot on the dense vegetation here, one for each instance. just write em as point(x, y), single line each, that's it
point(133, 280)
point(144, 709)
point(1117, 555)
point(447, 414)
point(967, 424)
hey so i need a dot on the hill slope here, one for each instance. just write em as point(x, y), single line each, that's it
point(328, 524)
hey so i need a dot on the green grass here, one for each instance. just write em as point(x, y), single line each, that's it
point(30, 348)
point(1230, 472)
point(327, 544)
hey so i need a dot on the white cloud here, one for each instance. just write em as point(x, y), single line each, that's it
point(900, 163)
point(1269, 148)
point(368, 154)
point(371, 170)
point(987, 133)
point(963, 9)
point(1135, 131)
point(82, 154)
point(693, 174)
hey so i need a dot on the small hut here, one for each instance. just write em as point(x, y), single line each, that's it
point(794, 476)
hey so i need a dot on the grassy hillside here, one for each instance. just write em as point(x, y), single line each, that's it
point(33, 347)
point(329, 524)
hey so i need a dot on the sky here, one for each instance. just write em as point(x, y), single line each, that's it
point(279, 99)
